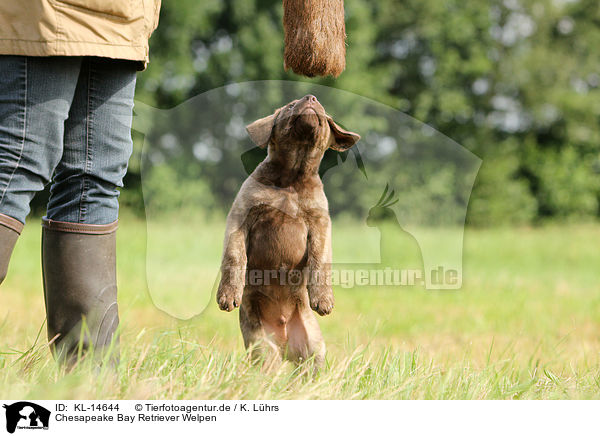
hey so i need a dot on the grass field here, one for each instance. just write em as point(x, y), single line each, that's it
point(526, 324)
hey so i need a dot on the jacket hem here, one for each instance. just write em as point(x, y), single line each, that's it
point(22, 47)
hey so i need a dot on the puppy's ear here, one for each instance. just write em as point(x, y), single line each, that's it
point(260, 130)
point(341, 139)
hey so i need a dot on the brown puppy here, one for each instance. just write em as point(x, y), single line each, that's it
point(277, 249)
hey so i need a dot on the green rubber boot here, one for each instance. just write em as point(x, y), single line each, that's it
point(80, 289)
point(10, 229)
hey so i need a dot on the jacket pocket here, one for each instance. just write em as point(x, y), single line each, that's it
point(128, 9)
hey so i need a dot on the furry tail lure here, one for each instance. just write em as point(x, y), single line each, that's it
point(315, 37)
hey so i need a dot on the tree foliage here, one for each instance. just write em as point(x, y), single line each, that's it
point(515, 81)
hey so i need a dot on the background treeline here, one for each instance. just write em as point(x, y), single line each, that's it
point(515, 81)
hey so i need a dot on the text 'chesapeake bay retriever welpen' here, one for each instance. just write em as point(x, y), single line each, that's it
point(277, 252)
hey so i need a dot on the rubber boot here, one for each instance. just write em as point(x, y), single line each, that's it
point(80, 289)
point(10, 229)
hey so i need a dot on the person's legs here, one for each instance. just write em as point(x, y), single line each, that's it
point(78, 243)
point(35, 96)
point(97, 144)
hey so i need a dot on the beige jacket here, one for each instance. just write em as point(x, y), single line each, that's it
point(108, 28)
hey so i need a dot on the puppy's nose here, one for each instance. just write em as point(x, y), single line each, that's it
point(310, 98)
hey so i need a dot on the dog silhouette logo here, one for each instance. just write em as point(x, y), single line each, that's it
point(26, 415)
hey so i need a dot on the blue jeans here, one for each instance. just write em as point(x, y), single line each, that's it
point(68, 120)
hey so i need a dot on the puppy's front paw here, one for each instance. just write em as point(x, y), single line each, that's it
point(229, 297)
point(321, 300)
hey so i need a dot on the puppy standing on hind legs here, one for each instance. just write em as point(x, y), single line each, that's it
point(277, 248)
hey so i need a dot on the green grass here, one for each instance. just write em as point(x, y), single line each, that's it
point(526, 324)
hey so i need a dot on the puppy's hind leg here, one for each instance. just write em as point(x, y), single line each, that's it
point(305, 340)
point(260, 346)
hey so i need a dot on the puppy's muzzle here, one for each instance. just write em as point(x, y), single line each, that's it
point(308, 113)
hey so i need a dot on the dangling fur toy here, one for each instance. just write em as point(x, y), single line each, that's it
point(315, 37)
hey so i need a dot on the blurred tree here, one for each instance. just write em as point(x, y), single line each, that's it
point(514, 81)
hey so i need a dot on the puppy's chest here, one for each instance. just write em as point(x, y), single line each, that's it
point(278, 234)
